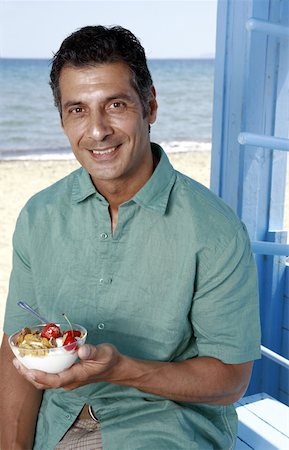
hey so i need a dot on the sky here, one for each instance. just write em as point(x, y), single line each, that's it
point(166, 28)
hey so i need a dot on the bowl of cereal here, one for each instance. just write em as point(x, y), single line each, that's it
point(51, 347)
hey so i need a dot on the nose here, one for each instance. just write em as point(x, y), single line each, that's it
point(98, 127)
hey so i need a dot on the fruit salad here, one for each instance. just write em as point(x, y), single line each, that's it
point(49, 337)
point(51, 347)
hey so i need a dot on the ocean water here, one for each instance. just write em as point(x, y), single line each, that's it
point(29, 121)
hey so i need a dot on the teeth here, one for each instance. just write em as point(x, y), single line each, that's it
point(103, 152)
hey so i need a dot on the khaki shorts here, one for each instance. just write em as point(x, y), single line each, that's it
point(84, 434)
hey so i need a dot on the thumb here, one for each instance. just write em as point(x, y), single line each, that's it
point(87, 351)
point(102, 353)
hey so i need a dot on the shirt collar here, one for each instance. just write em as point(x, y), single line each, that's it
point(82, 187)
point(153, 195)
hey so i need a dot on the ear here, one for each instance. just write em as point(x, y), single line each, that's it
point(153, 105)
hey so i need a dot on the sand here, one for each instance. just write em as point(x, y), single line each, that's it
point(19, 180)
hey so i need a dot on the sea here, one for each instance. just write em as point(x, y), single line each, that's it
point(29, 121)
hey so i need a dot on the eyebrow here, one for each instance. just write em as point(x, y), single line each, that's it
point(121, 96)
point(71, 103)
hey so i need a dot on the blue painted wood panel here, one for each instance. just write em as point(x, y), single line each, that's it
point(251, 96)
point(251, 82)
point(284, 375)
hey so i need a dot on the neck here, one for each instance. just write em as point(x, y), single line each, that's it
point(120, 191)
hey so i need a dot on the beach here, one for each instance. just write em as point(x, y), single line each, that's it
point(19, 180)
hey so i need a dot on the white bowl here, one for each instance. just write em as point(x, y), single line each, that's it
point(52, 360)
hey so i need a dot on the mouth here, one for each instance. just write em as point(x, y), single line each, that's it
point(104, 154)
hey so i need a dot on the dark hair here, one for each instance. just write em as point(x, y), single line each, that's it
point(93, 45)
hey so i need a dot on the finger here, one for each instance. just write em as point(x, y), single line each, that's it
point(27, 374)
point(88, 352)
point(44, 380)
point(102, 354)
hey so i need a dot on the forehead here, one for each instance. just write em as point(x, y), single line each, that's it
point(95, 78)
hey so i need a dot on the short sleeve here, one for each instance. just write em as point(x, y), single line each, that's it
point(21, 279)
point(225, 310)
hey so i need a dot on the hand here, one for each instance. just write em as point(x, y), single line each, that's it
point(96, 364)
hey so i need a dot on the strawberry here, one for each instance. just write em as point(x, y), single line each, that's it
point(51, 331)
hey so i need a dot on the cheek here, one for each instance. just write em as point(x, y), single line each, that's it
point(135, 129)
point(74, 132)
point(127, 123)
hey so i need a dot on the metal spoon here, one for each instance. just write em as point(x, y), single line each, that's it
point(28, 308)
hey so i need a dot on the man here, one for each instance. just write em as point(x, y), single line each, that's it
point(153, 264)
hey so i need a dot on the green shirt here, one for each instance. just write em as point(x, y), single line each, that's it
point(176, 280)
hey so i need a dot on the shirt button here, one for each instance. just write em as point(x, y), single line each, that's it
point(105, 281)
point(103, 236)
point(67, 416)
point(100, 326)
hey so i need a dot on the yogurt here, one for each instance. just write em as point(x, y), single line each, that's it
point(50, 360)
point(54, 362)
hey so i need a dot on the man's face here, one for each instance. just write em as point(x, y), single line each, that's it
point(102, 117)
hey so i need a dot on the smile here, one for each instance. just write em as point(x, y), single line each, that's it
point(103, 152)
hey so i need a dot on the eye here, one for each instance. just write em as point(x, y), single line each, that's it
point(76, 110)
point(117, 106)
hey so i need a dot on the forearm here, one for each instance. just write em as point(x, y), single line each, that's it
point(199, 380)
point(20, 403)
